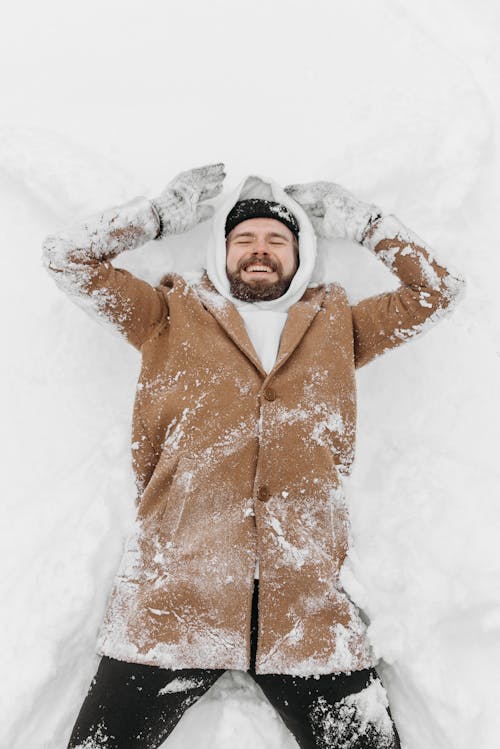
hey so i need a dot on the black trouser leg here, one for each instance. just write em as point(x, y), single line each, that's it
point(338, 712)
point(343, 711)
point(131, 706)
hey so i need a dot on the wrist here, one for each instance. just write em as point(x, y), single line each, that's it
point(125, 227)
point(370, 227)
point(175, 209)
point(388, 226)
point(165, 207)
point(159, 221)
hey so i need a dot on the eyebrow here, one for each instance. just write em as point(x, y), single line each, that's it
point(252, 234)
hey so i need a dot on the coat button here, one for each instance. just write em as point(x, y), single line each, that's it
point(263, 493)
point(269, 394)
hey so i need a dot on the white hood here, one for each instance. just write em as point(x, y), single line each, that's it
point(255, 186)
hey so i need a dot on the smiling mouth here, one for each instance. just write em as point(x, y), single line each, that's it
point(258, 268)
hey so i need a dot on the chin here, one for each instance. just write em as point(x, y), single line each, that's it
point(257, 289)
point(257, 283)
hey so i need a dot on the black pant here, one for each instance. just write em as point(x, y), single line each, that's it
point(131, 706)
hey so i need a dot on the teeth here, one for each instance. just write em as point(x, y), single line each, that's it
point(264, 268)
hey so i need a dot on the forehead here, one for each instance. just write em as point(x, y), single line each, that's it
point(261, 225)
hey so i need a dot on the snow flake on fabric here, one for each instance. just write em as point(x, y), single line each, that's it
point(405, 334)
point(348, 648)
point(74, 282)
point(291, 555)
point(100, 738)
point(74, 257)
point(104, 235)
point(211, 645)
point(181, 684)
point(325, 423)
point(331, 421)
point(175, 430)
point(212, 298)
point(359, 719)
point(423, 296)
point(390, 227)
point(146, 620)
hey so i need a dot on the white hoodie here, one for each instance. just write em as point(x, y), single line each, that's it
point(264, 320)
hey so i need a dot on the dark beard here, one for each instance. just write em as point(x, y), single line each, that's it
point(258, 291)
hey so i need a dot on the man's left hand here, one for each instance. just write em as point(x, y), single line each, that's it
point(334, 212)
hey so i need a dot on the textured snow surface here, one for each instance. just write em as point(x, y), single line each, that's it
point(399, 103)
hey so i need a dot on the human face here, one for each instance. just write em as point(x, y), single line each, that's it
point(261, 259)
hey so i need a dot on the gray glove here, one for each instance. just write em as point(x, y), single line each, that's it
point(334, 212)
point(178, 208)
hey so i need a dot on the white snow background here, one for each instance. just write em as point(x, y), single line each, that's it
point(397, 101)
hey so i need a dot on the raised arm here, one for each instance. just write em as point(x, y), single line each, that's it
point(427, 293)
point(428, 290)
point(79, 257)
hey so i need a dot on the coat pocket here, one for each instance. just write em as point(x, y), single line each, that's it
point(176, 500)
point(154, 498)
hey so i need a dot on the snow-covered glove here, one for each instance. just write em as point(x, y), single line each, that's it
point(178, 208)
point(334, 212)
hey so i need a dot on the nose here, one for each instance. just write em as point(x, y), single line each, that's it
point(261, 246)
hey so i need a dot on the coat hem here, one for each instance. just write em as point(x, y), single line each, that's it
point(127, 655)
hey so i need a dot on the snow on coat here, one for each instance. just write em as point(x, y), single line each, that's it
point(232, 461)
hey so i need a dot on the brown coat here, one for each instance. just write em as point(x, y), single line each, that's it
point(231, 461)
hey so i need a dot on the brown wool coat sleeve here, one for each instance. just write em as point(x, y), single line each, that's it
point(78, 258)
point(428, 292)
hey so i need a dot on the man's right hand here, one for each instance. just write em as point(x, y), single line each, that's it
point(178, 205)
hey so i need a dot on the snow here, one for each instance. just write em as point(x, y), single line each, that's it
point(396, 101)
point(181, 684)
point(367, 709)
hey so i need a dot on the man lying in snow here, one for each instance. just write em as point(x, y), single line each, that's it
point(244, 425)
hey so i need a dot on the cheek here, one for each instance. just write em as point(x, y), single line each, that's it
point(231, 259)
point(234, 255)
point(288, 262)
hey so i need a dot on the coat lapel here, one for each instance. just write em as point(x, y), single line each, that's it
point(300, 316)
point(229, 318)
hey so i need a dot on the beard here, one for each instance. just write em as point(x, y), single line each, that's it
point(258, 290)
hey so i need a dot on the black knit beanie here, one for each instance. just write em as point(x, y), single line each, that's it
point(258, 208)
